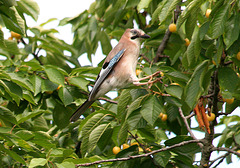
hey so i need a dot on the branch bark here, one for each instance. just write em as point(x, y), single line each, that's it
point(166, 37)
point(212, 103)
point(142, 155)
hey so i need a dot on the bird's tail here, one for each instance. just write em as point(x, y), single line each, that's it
point(81, 110)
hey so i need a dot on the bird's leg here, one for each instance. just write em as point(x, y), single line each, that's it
point(150, 76)
point(150, 82)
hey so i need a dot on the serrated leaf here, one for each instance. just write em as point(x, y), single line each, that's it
point(151, 109)
point(194, 49)
point(54, 75)
point(12, 47)
point(192, 7)
point(37, 162)
point(7, 115)
point(232, 31)
point(105, 43)
point(61, 115)
point(27, 95)
point(2, 42)
point(79, 82)
point(48, 85)
point(193, 89)
point(24, 82)
point(162, 158)
point(123, 101)
point(143, 4)
point(219, 20)
point(228, 79)
point(36, 82)
point(122, 134)
point(96, 134)
point(135, 105)
point(67, 164)
point(14, 155)
point(91, 123)
point(29, 7)
point(167, 9)
point(175, 91)
point(27, 115)
point(65, 96)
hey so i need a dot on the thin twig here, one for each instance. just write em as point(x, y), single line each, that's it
point(142, 155)
point(225, 149)
point(145, 58)
point(190, 115)
point(143, 147)
point(108, 100)
point(187, 125)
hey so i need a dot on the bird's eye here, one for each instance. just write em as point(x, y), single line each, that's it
point(134, 32)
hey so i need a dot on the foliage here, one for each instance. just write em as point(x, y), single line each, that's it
point(39, 95)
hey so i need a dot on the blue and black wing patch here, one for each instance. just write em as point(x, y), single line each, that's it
point(106, 69)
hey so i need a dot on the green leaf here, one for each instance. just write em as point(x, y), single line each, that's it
point(189, 148)
point(96, 134)
point(79, 82)
point(167, 9)
point(229, 108)
point(36, 82)
point(12, 47)
point(105, 43)
point(218, 23)
point(12, 89)
point(2, 42)
point(194, 88)
point(232, 30)
point(55, 76)
point(14, 155)
point(228, 79)
point(135, 105)
point(175, 91)
point(143, 4)
point(61, 115)
point(65, 96)
point(24, 82)
point(66, 165)
point(37, 162)
point(27, 95)
point(191, 9)
point(122, 134)
point(27, 115)
point(162, 158)
point(7, 115)
point(151, 109)
point(29, 7)
point(9, 3)
point(193, 50)
point(47, 85)
point(123, 101)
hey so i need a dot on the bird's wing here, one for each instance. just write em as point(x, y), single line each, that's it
point(106, 69)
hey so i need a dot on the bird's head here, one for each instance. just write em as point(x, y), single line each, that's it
point(135, 34)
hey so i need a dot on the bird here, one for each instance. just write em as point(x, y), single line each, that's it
point(118, 70)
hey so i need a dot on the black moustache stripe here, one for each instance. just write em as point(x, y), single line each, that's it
point(134, 37)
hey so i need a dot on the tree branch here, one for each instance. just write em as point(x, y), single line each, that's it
point(108, 100)
point(212, 103)
point(187, 125)
point(143, 147)
point(226, 149)
point(142, 155)
point(222, 157)
point(166, 37)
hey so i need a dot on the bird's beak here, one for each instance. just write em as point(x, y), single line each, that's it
point(145, 36)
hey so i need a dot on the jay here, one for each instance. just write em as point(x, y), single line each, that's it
point(118, 70)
